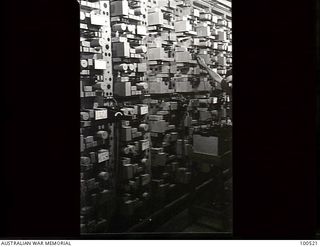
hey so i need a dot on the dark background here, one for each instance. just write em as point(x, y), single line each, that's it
point(275, 104)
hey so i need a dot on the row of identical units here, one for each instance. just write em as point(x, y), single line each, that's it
point(145, 104)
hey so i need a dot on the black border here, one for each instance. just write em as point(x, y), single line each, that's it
point(274, 114)
point(40, 126)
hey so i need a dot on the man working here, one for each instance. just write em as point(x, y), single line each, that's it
point(223, 84)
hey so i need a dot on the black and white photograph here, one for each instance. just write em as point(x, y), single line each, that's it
point(156, 116)
point(199, 120)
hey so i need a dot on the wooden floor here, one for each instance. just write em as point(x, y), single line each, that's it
point(197, 228)
point(187, 223)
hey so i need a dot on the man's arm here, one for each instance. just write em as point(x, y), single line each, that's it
point(215, 76)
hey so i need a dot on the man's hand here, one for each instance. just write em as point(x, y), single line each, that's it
point(201, 62)
point(216, 77)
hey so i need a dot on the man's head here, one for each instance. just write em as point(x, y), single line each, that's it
point(225, 83)
point(228, 77)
